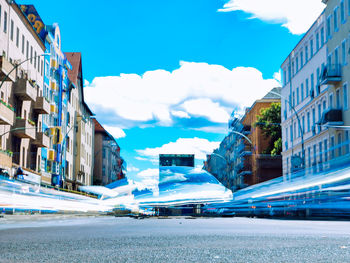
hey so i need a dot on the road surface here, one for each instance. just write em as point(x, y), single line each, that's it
point(110, 239)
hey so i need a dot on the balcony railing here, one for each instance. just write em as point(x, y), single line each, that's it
point(331, 74)
point(25, 89)
point(332, 117)
point(42, 140)
point(24, 129)
point(5, 68)
point(7, 114)
point(42, 106)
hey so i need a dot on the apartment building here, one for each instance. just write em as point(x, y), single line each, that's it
point(240, 160)
point(336, 76)
point(305, 99)
point(23, 105)
point(80, 141)
point(109, 166)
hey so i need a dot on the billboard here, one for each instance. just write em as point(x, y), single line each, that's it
point(176, 160)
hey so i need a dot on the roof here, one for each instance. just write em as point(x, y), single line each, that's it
point(273, 96)
point(76, 61)
point(100, 129)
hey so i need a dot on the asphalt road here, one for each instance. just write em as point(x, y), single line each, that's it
point(109, 239)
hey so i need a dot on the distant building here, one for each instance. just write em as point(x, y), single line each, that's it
point(237, 163)
point(109, 166)
point(176, 160)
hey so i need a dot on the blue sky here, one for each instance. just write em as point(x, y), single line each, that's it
point(164, 75)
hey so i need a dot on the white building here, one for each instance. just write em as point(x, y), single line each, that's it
point(22, 102)
point(305, 142)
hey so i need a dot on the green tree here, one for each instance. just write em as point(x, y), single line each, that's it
point(269, 121)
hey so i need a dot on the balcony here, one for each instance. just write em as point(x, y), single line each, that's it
point(42, 106)
point(5, 68)
point(25, 90)
point(332, 117)
point(5, 158)
point(54, 63)
point(54, 86)
point(42, 140)
point(51, 155)
point(7, 114)
point(53, 108)
point(24, 129)
point(331, 74)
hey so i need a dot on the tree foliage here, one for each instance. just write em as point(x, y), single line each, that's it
point(269, 121)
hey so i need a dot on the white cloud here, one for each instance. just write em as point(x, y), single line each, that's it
point(180, 114)
point(115, 131)
point(296, 15)
point(192, 90)
point(206, 108)
point(199, 147)
point(132, 169)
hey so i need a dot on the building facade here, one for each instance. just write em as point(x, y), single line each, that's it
point(336, 77)
point(23, 103)
point(239, 161)
point(109, 166)
point(304, 100)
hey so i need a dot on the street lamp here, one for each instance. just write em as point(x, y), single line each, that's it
point(17, 65)
point(300, 128)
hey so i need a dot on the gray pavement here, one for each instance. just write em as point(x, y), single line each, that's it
point(110, 239)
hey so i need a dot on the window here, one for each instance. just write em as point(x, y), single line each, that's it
point(343, 52)
point(308, 121)
point(315, 155)
point(5, 22)
point(31, 55)
point(17, 37)
point(307, 88)
point(337, 98)
point(336, 56)
point(345, 96)
point(298, 96)
point(11, 30)
point(339, 144)
point(325, 150)
point(297, 64)
point(303, 124)
point(335, 19)
point(342, 11)
point(27, 50)
point(331, 100)
point(284, 77)
point(313, 116)
point(307, 53)
point(302, 91)
point(317, 41)
point(324, 105)
point(34, 59)
point(293, 102)
point(309, 154)
point(312, 83)
point(311, 48)
point(322, 36)
point(329, 34)
point(318, 78)
point(319, 113)
point(301, 59)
